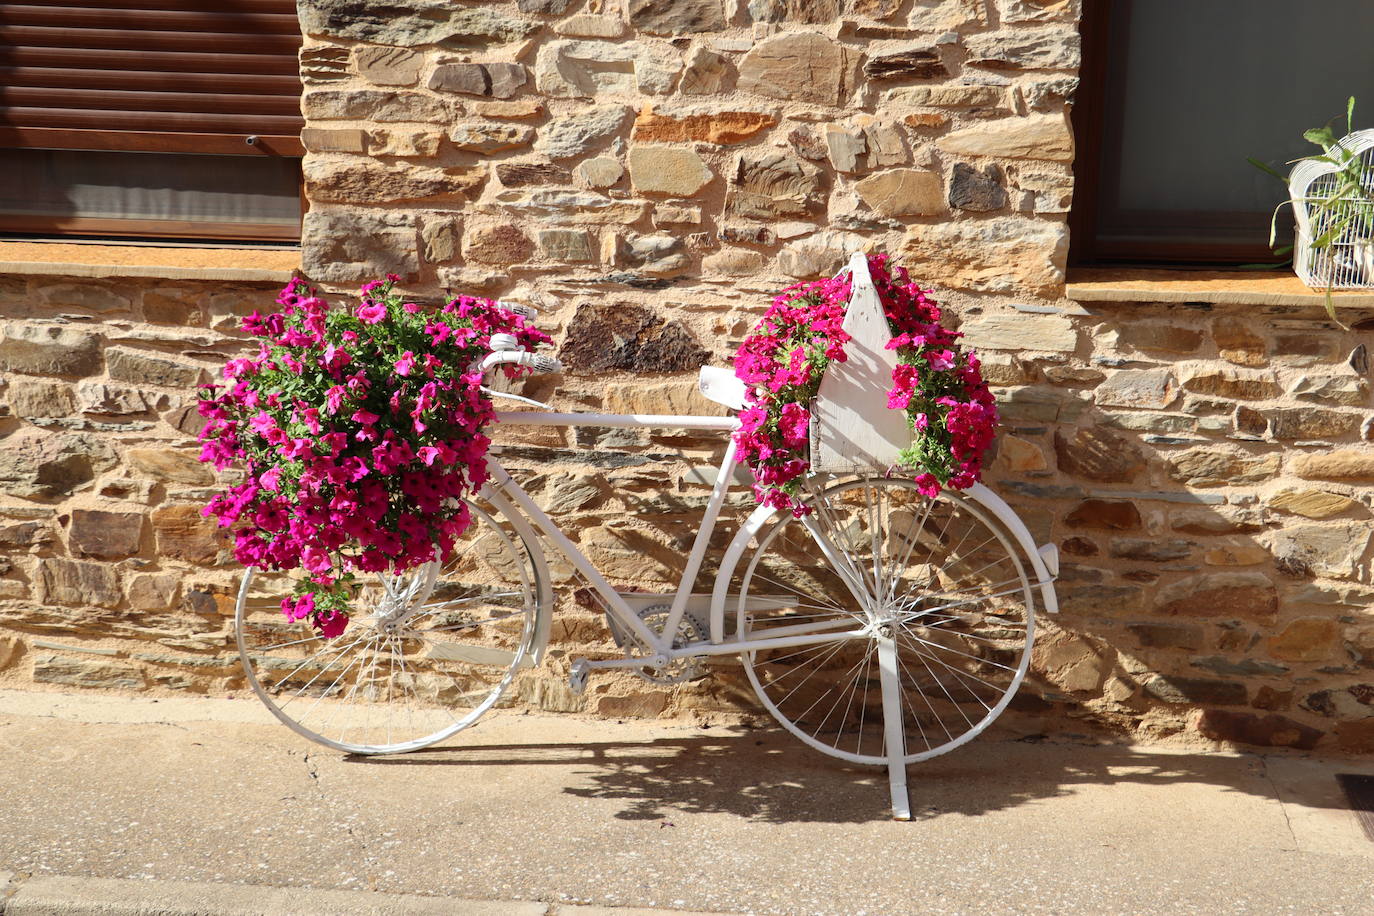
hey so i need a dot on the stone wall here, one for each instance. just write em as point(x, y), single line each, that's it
point(650, 174)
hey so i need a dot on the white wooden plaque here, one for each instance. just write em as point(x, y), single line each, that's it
point(852, 427)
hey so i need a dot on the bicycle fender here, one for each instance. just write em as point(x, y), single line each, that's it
point(1044, 559)
point(720, 591)
point(543, 617)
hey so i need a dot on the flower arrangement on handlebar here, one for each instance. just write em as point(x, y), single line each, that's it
point(938, 384)
point(359, 429)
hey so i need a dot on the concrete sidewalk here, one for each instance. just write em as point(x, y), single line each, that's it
point(561, 815)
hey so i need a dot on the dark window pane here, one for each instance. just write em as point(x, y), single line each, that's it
point(72, 186)
point(1193, 88)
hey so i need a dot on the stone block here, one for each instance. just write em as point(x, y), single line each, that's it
point(1230, 383)
point(349, 246)
point(563, 138)
point(1272, 730)
point(1163, 338)
point(589, 69)
point(976, 191)
point(30, 398)
point(771, 68)
point(916, 61)
point(1237, 343)
point(1018, 455)
point(323, 64)
point(1344, 464)
point(812, 12)
point(1334, 550)
point(1167, 635)
point(515, 110)
point(1010, 255)
point(1307, 639)
point(339, 179)
point(1098, 454)
point(41, 465)
point(950, 96)
point(1108, 514)
point(733, 262)
point(116, 400)
point(494, 80)
point(606, 336)
point(601, 172)
point(1348, 390)
point(1150, 550)
point(170, 465)
point(943, 15)
point(1236, 555)
point(819, 255)
point(412, 23)
point(382, 105)
point(499, 243)
point(85, 295)
point(566, 245)
point(1194, 690)
point(642, 705)
point(903, 192)
point(520, 174)
point(1312, 423)
point(49, 349)
point(587, 25)
point(1051, 48)
point(1033, 136)
point(153, 591)
point(681, 17)
point(719, 127)
point(668, 170)
point(568, 207)
point(108, 535)
point(173, 305)
point(184, 534)
point(705, 72)
point(1311, 503)
point(1209, 466)
point(1152, 389)
point(491, 138)
point(421, 144)
point(767, 185)
point(1245, 595)
point(384, 66)
point(80, 672)
point(77, 583)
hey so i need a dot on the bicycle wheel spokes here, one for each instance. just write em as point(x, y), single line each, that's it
point(398, 681)
point(937, 576)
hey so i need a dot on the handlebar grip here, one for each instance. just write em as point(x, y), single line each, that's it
point(541, 362)
point(527, 312)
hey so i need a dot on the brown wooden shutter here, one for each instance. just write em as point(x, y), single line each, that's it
point(192, 76)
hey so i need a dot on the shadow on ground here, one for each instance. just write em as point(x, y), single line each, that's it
point(765, 776)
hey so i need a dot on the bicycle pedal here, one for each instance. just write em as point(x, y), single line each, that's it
point(577, 676)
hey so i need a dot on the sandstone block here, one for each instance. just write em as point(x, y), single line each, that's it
point(672, 215)
point(770, 184)
point(339, 140)
point(49, 349)
point(323, 64)
point(1307, 639)
point(420, 144)
point(566, 245)
point(1272, 730)
point(1236, 555)
point(1018, 455)
point(79, 672)
point(384, 105)
point(170, 465)
point(1153, 389)
point(410, 23)
point(606, 336)
point(1344, 464)
point(818, 255)
point(1030, 137)
point(903, 192)
point(86, 295)
point(184, 534)
point(669, 170)
point(705, 72)
point(657, 255)
point(491, 138)
point(1312, 423)
point(563, 138)
point(141, 367)
point(642, 705)
point(1052, 333)
point(1098, 454)
point(494, 80)
point(1237, 343)
point(885, 146)
point(733, 262)
point(588, 69)
point(945, 15)
point(115, 400)
point(587, 25)
point(951, 96)
point(569, 207)
point(109, 535)
point(1165, 338)
point(1349, 390)
point(1167, 635)
point(812, 12)
point(499, 243)
point(389, 66)
point(677, 18)
point(1149, 550)
point(910, 62)
point(1052, 48)
point(721, 127)
point(515, 109)
point(30, 398)
point(519, 174)
point(39, 465)
point(601, 172)
point(152, 591)
point(1333, 550)
point(1311, 503)
point(1182, 690)
point(844, 148)
point(1008, 255)
point(1247, 595)
point(1230, 383)
point(1113, 515)
point(800, 66)
point(1216, 467)
point(78, 583)
point(349, 246)
point(173, 305)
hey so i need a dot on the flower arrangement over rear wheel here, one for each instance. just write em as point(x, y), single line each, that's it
point(952, 415)
point(359, 429)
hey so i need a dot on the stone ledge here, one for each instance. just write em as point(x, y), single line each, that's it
point(168, 262)
point(1218, 287)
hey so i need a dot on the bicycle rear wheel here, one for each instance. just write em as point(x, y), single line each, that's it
point(394, 683)
point(875, 560)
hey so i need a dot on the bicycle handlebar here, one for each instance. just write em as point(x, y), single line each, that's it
point(539, 362)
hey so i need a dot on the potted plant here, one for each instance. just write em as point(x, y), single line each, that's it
point(359, 430)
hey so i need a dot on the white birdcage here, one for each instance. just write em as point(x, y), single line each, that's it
point(1346, 260)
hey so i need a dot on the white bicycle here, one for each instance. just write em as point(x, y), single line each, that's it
point(882, 628)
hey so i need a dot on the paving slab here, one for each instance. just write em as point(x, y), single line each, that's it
point(567, 811)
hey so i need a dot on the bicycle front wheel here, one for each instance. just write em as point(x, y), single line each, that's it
point(875, 560)
point(416, 664)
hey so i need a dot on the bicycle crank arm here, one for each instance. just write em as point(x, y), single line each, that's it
point(583, 667)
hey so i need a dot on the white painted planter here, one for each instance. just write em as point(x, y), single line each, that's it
point(1348, 262)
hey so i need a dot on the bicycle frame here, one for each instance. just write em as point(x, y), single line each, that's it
point(660, 643)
